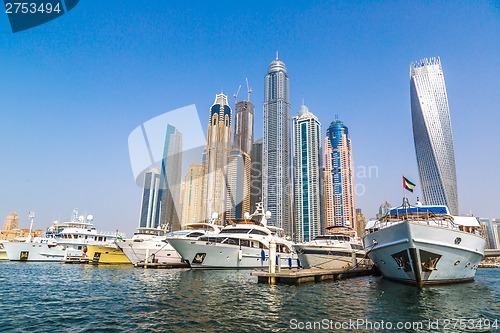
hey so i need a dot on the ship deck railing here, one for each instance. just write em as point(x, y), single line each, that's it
point(425, 218)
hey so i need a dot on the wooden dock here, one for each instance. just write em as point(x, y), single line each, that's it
point(297, 276)
point(160, 265)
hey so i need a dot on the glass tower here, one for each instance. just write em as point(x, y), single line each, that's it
point(276, 184)
point(307, 170)
point(169, 205)
point(150, 214)
point(432, 134)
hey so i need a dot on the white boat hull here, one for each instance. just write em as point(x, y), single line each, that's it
point(156, 251)
point(328, 257)
point(37, 252)
point(421, 254)
point(202, 254)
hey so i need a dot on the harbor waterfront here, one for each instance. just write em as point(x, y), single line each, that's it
point(48, 297)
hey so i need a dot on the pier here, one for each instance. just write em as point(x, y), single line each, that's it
point(298, 276)
point(160, 265)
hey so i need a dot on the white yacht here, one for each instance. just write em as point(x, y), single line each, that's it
point(331, 251)
point(151, 244)
point(62, 241)
point(425, 245)
point(241, 244)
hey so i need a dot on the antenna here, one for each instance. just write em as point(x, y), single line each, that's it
point(249, 90)
point(236, 94)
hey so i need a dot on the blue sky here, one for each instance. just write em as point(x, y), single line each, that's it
point(72, 90)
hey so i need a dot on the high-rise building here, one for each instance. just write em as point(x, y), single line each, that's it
point(150, 214)
point(169, 205)
point(243, 126)
point(217, 152)
point(432, 134)
point(11, 222)
point(307, 139)
point(276, 166)
point(256, 175)
point(238, 180)
point(384, 208)
point(192, 203)
point(339, 200)
point(239, 162)
point(360, 221)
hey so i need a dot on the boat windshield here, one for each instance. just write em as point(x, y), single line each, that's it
point(333, 237)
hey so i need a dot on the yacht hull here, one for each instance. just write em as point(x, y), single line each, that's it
point(328, 257)
point(35, 252)
point(202, 254)
point(423, 255)
point(156, 251)
point(106, 255)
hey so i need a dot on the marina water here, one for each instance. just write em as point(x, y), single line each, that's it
point(53, 297)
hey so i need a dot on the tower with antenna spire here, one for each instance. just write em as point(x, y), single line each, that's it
point(276, 155)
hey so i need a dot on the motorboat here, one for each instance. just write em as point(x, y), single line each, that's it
point(61, 242)
point(241, 244)
point(151, 245)
point(332, 251)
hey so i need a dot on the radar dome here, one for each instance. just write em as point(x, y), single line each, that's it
point(90, 217)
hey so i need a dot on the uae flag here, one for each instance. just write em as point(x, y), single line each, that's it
point(408, 184)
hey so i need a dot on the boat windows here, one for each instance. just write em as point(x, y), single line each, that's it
point(234, 231)
point(195, 234)
point(356, 247)
point(258, 232)
point(343, 238)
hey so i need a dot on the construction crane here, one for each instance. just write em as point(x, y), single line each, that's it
point(236, 94)
point(249, 91)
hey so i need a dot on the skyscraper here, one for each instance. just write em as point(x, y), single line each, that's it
point(192, 203)
point(276, 185)
point(432, 134)
point(238, 179)
point(256, 175)
point(307, 170)
point(150, 214)
point(169, 204)
point(243, 126)
point(217, 152)
point(239, 162)
point(339, 201)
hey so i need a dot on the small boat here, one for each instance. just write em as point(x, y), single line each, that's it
point(62, 241)
point(424, 245)
point(332, 251)
point(242, 244)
